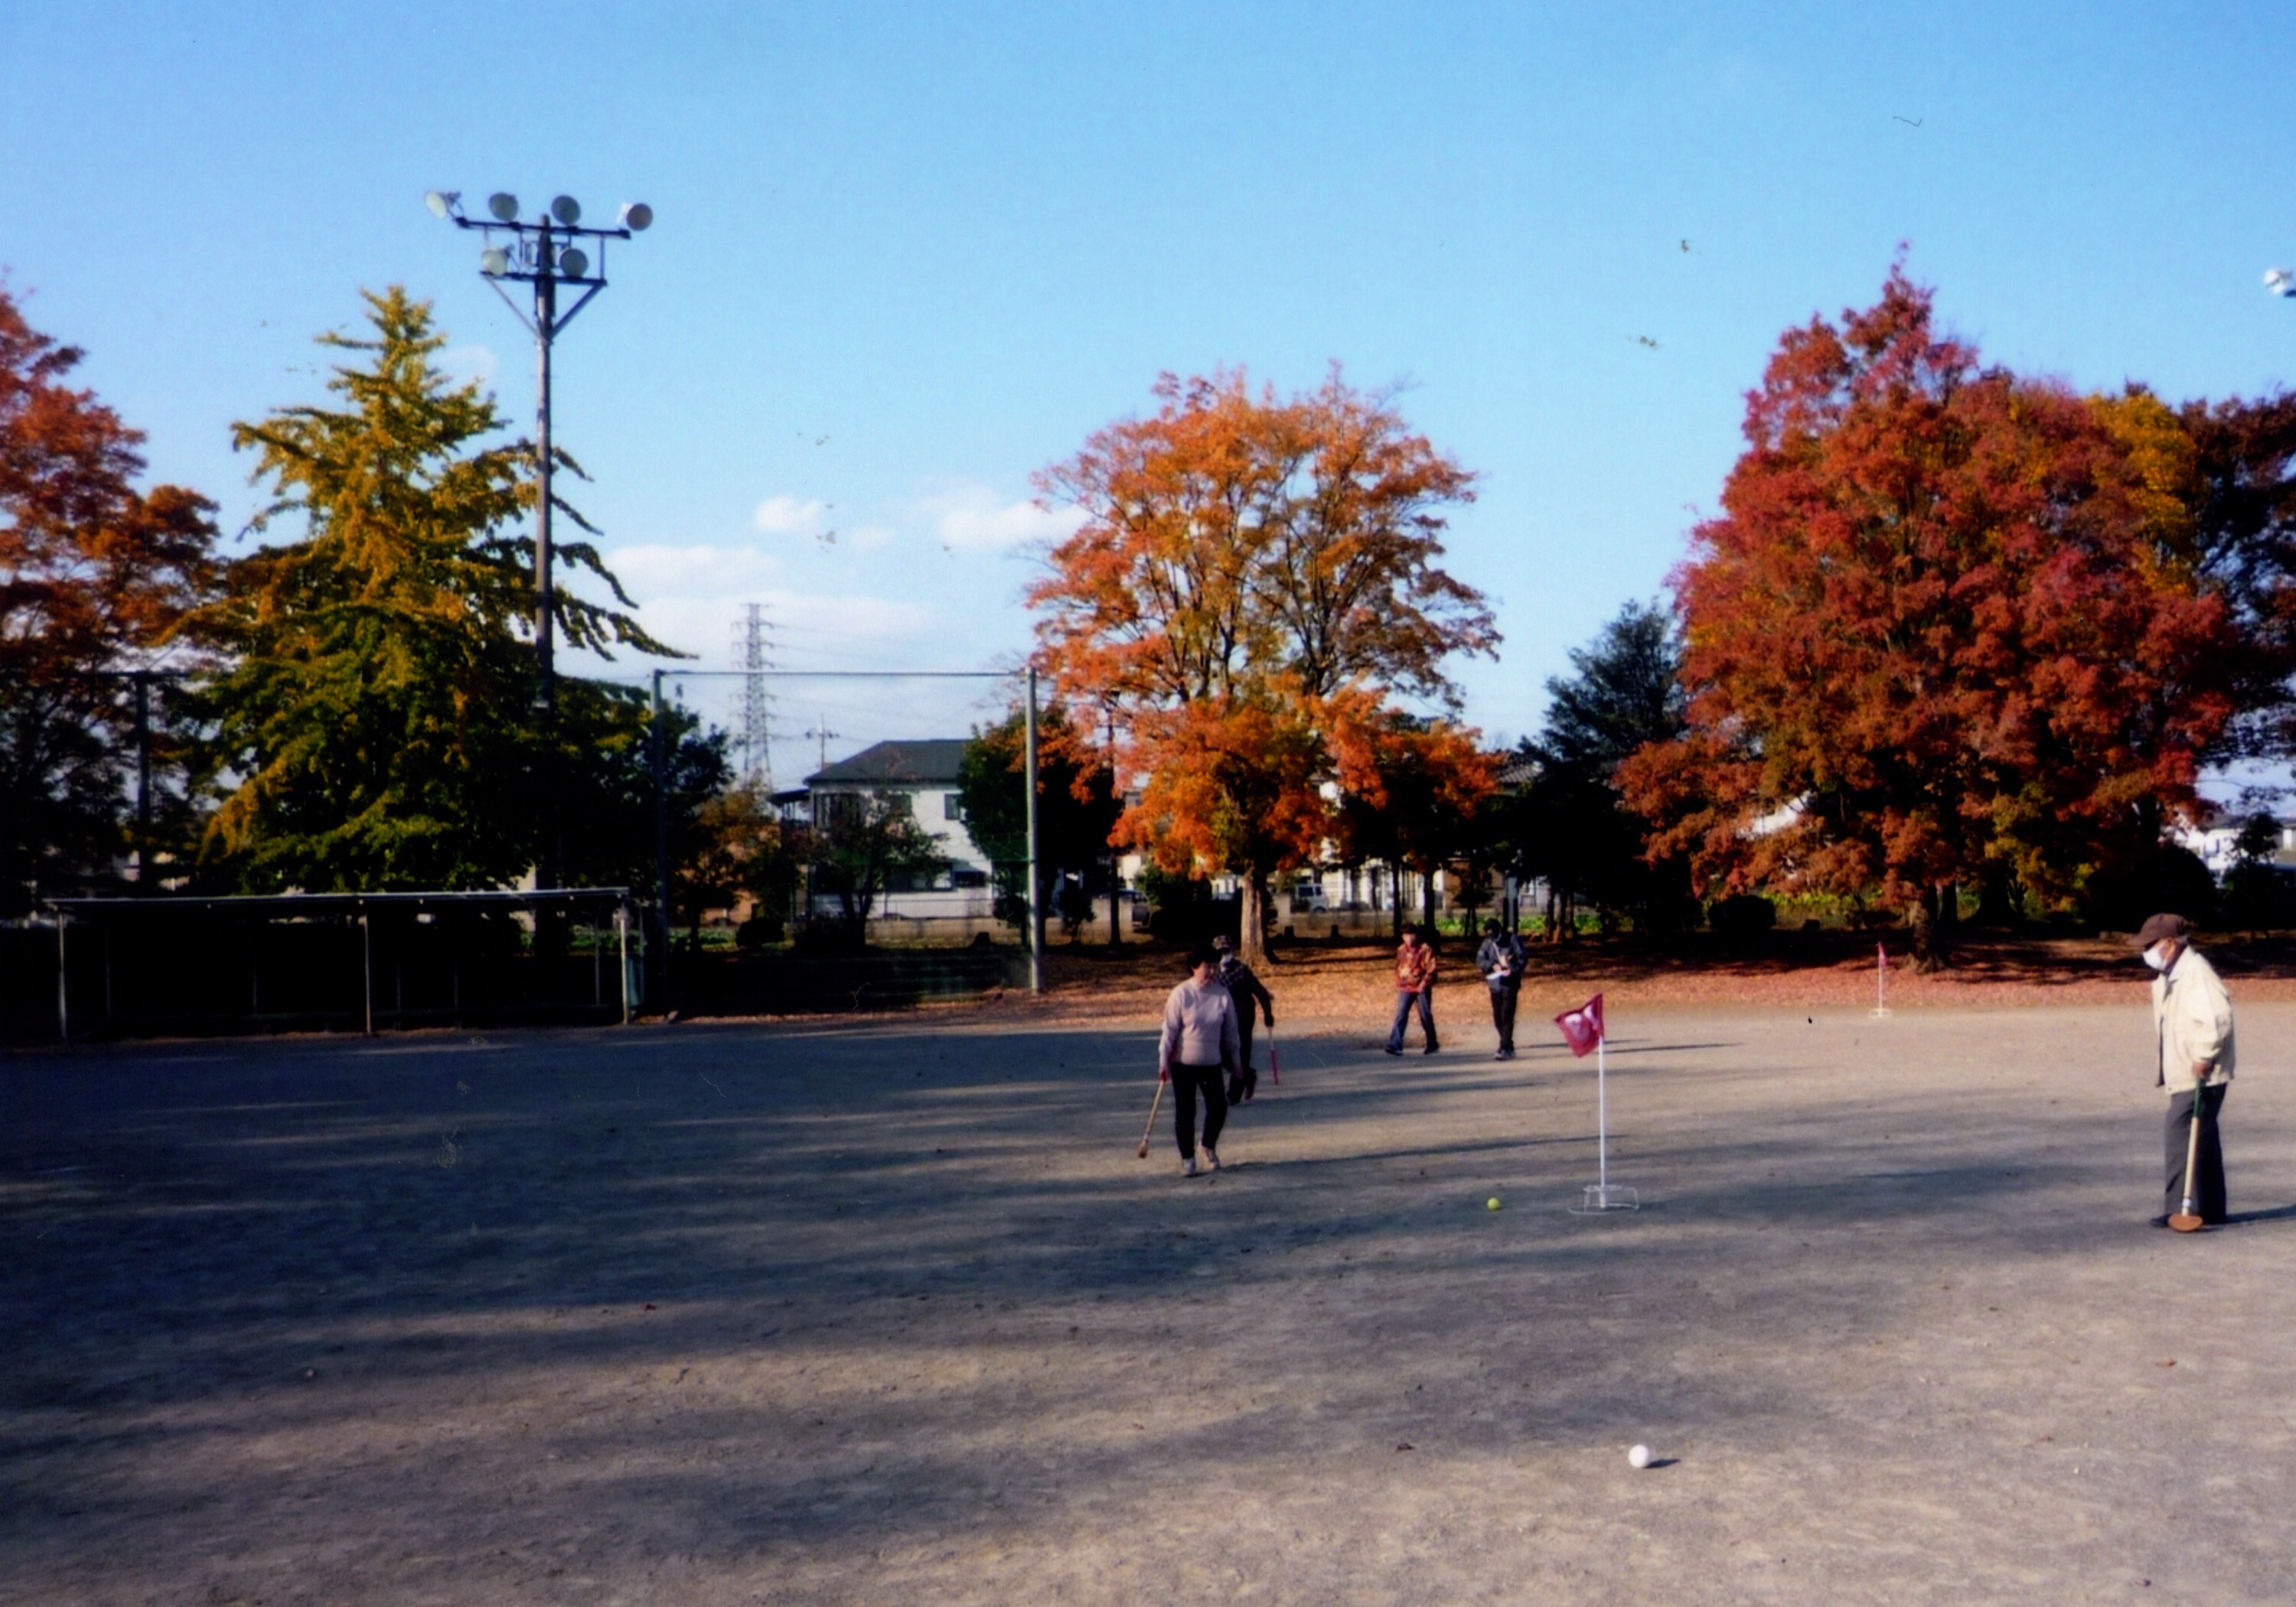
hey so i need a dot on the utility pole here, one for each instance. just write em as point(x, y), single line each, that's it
point(1115, 854)
point(543, 253)
point(661, 944)
point(1035, 897)
point(143, 680)
point(823, 734)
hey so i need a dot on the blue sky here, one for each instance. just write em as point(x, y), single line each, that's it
point(907, 255)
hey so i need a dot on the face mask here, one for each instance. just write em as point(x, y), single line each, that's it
point(2157, 960)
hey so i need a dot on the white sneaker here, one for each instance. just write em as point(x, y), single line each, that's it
point(1211, 1159)
point(1188, 1166)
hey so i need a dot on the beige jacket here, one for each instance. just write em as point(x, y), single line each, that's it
point(2192, 1021)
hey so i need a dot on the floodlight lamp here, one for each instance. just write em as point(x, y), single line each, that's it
point(2279, 281)
point(572, 263)
point(442, 202)
point(494, 262)
point(566, 210)
point(637, 216)
point(504, 205)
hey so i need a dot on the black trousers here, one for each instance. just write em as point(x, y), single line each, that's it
point(2208, 1167)
point(1241, 1085)
point(1503, 1003)
point(1188, 1081)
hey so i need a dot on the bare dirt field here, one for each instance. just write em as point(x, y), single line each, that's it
point(887, 1311)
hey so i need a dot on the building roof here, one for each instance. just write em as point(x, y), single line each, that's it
point(925, 762)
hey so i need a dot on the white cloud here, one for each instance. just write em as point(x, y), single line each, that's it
point(653, 570)
point(968, 514)
point(467, 364)
point(787, 516)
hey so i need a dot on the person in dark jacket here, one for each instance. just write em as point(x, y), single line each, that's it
point(1247, 989)
point(1501, 959)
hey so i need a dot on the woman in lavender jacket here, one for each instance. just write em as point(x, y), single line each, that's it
point(1200, 1049)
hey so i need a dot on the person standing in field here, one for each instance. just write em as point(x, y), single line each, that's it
point(2193, 1043)
point(1501, 960)
point(1198, 1049)
point(1414, 988)
point(1246, 990)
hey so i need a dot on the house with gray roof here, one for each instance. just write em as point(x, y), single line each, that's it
point(924, 773)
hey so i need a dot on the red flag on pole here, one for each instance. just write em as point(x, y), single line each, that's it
point(1582, 1028)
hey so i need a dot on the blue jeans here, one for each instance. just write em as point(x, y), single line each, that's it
point(1404, 1000)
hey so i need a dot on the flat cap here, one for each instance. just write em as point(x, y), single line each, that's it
point(2164, 925)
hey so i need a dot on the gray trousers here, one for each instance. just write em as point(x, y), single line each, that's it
point(2208, 1167)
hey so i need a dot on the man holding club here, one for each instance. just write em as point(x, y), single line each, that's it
point(1246, 990)
point(1501, 960)
point(1199, 1048)
point(2193, 1040)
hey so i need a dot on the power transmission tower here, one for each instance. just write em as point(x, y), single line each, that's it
point(753, 645)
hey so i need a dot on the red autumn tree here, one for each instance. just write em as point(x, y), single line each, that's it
point(92, 573)
point(1254, 581)
point(1949, 618)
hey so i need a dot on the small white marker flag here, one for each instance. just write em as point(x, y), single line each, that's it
point(1582, 1028)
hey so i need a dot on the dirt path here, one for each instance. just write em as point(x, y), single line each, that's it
point(890, 1312)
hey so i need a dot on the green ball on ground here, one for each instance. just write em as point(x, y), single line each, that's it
point(1492, 1203)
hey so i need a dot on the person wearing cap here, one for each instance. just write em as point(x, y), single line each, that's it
point(1414, 988)
point(1197, 1047)
point(2193, 1045)
point(1501, 960)
point(1246, 990)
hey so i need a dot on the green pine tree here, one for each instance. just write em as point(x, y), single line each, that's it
point(373, 717)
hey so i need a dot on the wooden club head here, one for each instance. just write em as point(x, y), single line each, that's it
point(2185, 1222)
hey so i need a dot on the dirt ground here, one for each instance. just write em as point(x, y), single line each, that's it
point(887, 1311)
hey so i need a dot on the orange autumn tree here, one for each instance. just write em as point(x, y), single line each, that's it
point(94, 574)
point(1254, 581)
point(1949, 621)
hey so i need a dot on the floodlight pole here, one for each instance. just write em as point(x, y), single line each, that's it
point(545, 330)
point(540, 253)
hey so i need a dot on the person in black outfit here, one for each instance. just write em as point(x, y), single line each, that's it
point(1501, 960)
point(1246, 988)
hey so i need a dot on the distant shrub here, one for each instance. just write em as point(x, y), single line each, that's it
point(1743, 912)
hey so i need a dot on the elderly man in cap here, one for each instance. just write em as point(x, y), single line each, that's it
point(1247, 991)
point(2192, 1030)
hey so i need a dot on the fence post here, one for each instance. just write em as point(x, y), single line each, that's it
point(63, 979)
point(622, 937)
point(367, 965)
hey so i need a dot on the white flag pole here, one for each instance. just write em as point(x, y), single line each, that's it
point(1603, 1115)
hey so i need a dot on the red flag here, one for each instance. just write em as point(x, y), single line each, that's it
point(1582, 1028)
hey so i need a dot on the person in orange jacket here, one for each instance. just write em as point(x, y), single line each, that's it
point(1414, 986)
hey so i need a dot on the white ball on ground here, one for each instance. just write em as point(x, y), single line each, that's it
point(1639, 1456)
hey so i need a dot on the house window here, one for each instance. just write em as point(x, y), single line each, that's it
point(952, 807)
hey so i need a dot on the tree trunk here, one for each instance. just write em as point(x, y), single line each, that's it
point(1996, 899)
point(1395, 898)
point(1934, 920)
point(1250, 942)
point(1115, 900)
